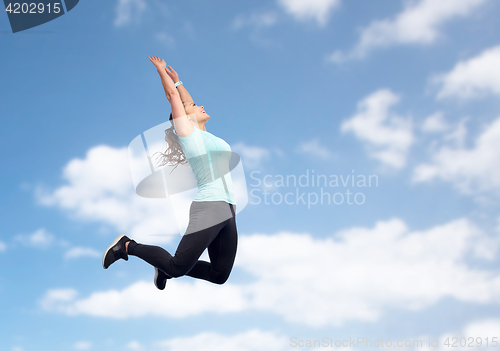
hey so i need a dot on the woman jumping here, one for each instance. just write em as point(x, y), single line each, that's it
point(212, 220)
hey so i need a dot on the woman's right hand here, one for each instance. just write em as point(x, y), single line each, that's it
point(172, 74)
point(159, 63)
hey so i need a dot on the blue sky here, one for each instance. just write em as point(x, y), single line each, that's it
point(406, 91)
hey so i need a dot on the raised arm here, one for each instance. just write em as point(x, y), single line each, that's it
point(185, 97)
point(183, 126)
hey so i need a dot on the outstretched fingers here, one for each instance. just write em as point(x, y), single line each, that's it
point(158, 62)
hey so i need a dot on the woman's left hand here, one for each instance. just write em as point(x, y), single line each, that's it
point(159, 63)
point(172, 74)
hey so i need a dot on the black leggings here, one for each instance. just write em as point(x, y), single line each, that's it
point(212, 225)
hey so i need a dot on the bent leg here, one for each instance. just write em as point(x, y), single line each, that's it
point(154, 255)
point(209, 221)
point(222, 252)
point(186, 256)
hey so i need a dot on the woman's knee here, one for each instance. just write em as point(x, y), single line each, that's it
point(220, 277)
point(176, 271)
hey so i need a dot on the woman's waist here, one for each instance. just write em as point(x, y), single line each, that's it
point(216, 209)
point(210, 183)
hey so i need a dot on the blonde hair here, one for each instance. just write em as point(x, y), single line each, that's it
point(174, 154)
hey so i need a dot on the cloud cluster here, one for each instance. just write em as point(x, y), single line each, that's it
point(472, 78)
point(256, 339)
point(143, 299)
point(418, 23)
point(472, 170)
point(317, 10)
point(41, 239)
point(77, 252)
point(251, 340)
point(313, 148)
point(352, 276)
point(477, 333)
point(82, 345)
point(99, 189)
point(435, 123)
point(386, 135)
point(252, 156)
point(128, 11)
point(256, 20)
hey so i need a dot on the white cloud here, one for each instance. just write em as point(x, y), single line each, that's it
point(313, 148)
point(135, 346)
point(472, 171)
point(252, 340)
point(418, 23)
point(257, 23)
point(142, 298)
point(482, 328)
point(82, 345)
point(165, 38)
point(3, 247)
point(39, 239)
point(304, 10)
point(435, 123)
point(472, 78)
point(301, 10)
point(77, 252)
point(352, 276)
point(256, 20)
point(361, 271)
point(458, 134)
point(99, 188)
point(386, 135)
point(129, 10)
point(476, 333)
point(251, 156)
point(53, 299)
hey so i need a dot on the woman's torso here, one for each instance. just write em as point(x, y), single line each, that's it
point(209, 158)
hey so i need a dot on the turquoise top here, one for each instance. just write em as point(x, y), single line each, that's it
point(209, 158)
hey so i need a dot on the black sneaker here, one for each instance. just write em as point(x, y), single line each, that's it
point(160, 279)
point(115, 251)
